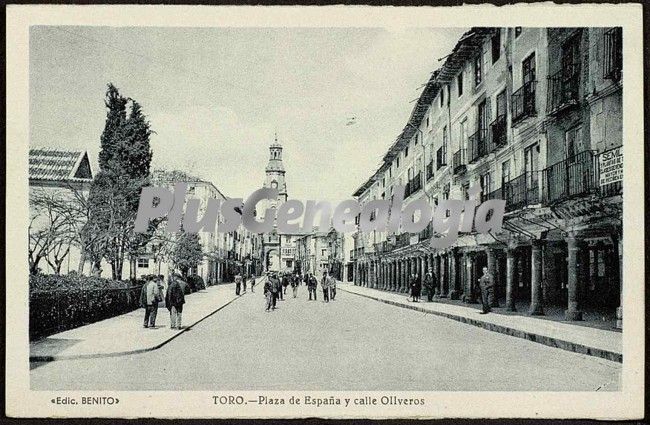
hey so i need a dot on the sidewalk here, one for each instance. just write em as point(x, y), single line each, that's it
point(579, 339)
point(125, 334)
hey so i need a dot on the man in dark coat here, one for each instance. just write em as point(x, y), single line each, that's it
point(174, 300)
point(416, 287)
point(312, 283)
point(276, 289)
point(268, 292)
point(486, 285)
point(429, 285)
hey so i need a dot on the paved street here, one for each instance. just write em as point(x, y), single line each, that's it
point(353, 343)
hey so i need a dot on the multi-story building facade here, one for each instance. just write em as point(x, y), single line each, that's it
point(225, 254)
point(531, 116)
point(321, 251)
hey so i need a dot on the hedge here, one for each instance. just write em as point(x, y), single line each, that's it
point(58, 303)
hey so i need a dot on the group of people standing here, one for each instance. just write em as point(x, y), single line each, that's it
point(241, 281)
point(275, 287)
point(485, 287)
point(152, 294)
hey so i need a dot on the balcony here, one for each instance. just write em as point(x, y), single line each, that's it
point(613, 54)
point(430, 170)
point(441, 161)
point(413, 185)
point(478, 145)
point(495, 194)
point(575, 176)
point(522, 191)
point(523, 102)
point(459, 161)
point(499, 132)
point(426, 233)
point(563, 89)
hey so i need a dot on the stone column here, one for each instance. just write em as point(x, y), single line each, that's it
point(618, 252)
point(573, 308)
point(510, 279)
point(443, 276)
point(454, 293)
point(536, 308)
point(423, 269)
point(469, 284)
point(492, 269)
point(393, 275)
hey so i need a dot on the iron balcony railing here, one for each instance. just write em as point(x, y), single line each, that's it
point(478, 145)
point(459, 162)
point(522, 191)
point(427, 232)
point(575, 176)
point(563, 89)
point(613, 54)
point(413, 185)
point(523, 102)
point(499, 132)
point(430, 170)
point(441, 161)
point(495, 194)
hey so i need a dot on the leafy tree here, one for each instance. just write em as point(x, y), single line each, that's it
point(187, 253)
point(124, 161)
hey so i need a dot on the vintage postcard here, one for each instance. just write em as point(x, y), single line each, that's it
point(336, 212)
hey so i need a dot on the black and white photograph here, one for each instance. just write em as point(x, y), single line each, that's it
point(297, 218)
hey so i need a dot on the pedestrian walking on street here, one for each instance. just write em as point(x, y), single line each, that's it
point(276, 289)
point(237, 283)
point(152, 298)
point(174, 300)
point(285, 282)
point(429, 285)
point(253, 283)
point(268, 293)
point(486, 285)
point(243, 282)
point(324, 283)
point(332, 286)
point(312, 283)
point(294, 284)
point(416, 287)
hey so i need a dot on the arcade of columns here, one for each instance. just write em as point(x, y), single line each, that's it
point(455, 270)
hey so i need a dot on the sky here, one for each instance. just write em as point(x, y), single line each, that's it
point(215, 97)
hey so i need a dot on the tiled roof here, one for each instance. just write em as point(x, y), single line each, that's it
point(59, 165)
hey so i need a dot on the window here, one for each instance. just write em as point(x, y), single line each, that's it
point(496, 45)
point(517, 31)
point(465, 190)
point(505, 172)
point(442, 97)
point(528, 69)
point(397, 162)
point(445, 192)
point(406, 152)
point(428, 122)
point(459, 83)
point(143, 263)
point(445, 142)
point(572, 138)
point(191, 190)
point(501, 104)
point(324, 252)
point(417, 137)
point(478, 70)
point(486, 183)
